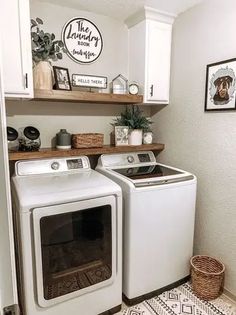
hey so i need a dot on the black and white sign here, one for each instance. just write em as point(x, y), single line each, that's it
point(90, 81)
point(83, 40)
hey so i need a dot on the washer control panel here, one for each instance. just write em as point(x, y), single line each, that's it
point(124, 159)
point(47, 166)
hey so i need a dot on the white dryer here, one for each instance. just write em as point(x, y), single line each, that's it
point(68, 222)
point(159, 212)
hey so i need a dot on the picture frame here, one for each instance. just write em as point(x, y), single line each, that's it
point(220, 93)
point(62, 78)
point(121, 135)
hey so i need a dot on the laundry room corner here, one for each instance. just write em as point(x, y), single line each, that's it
point(117, 157)
point(200, 141)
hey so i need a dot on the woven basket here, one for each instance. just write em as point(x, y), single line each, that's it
point(207, 276)
point(87, 140)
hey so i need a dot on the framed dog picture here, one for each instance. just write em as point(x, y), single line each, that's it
point(121, 135)
point(220, 91)
point(62, 79)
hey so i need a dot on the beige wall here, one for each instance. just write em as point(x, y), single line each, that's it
point(204, 142)
point(50, 117)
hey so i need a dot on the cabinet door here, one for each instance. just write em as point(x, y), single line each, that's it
point(8, 288)
point(137, 53)
point(158, 53)
point(16, 48)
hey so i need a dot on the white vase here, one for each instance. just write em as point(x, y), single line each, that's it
point(43, 78)
point(136, 137)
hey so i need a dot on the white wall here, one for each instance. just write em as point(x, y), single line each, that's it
point(50, 117)
point(204, 142)
point(113, 59)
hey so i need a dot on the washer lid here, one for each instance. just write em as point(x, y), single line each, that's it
point(48, 189)
point(147, 171)
point(151, 175)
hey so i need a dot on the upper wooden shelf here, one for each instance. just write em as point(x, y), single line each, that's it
point(86, 97)
point(50, 153)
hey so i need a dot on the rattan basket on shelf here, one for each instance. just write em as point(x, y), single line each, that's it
point(207, 275)
point(87, 140)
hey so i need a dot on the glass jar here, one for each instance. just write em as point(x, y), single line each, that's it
point(12, 139)
point(29, 139)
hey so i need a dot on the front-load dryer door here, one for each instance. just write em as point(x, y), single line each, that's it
point(75, 248)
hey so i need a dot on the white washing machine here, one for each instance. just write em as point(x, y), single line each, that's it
point(68, 233)
point(159, 212)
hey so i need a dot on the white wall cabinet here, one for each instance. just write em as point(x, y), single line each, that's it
point(16, 48)
point(149, 59)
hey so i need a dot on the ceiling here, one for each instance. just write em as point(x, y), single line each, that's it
point(121, 9)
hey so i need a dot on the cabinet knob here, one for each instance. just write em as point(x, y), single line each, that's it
point(151, 90)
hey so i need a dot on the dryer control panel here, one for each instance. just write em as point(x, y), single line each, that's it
point(50, 166)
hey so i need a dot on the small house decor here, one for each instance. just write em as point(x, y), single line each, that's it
point(45, 48)
point(119, 85)
point(82, 40)
point(133, 118)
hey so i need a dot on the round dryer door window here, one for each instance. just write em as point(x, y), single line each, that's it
point(82, 40)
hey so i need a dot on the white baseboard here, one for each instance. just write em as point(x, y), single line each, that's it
point(230, 295)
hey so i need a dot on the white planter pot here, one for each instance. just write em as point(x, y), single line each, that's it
point(42, 73)
point(136, 137)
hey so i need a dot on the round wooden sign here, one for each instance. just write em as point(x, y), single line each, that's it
point(82, 40)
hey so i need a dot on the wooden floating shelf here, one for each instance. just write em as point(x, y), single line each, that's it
point(50, 153)
point(86, 97)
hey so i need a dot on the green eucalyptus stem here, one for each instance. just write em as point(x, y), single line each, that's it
point(44, 45)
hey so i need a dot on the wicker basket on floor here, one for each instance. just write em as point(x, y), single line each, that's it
point(207, 275)
point(87, 140)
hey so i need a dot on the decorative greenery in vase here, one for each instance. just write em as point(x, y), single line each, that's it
point(44, 45)
point(133, 118)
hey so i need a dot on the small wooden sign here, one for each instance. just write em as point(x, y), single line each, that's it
point(90, 81)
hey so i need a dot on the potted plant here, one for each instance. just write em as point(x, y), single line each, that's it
point(134, 119)
point(45, 48)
